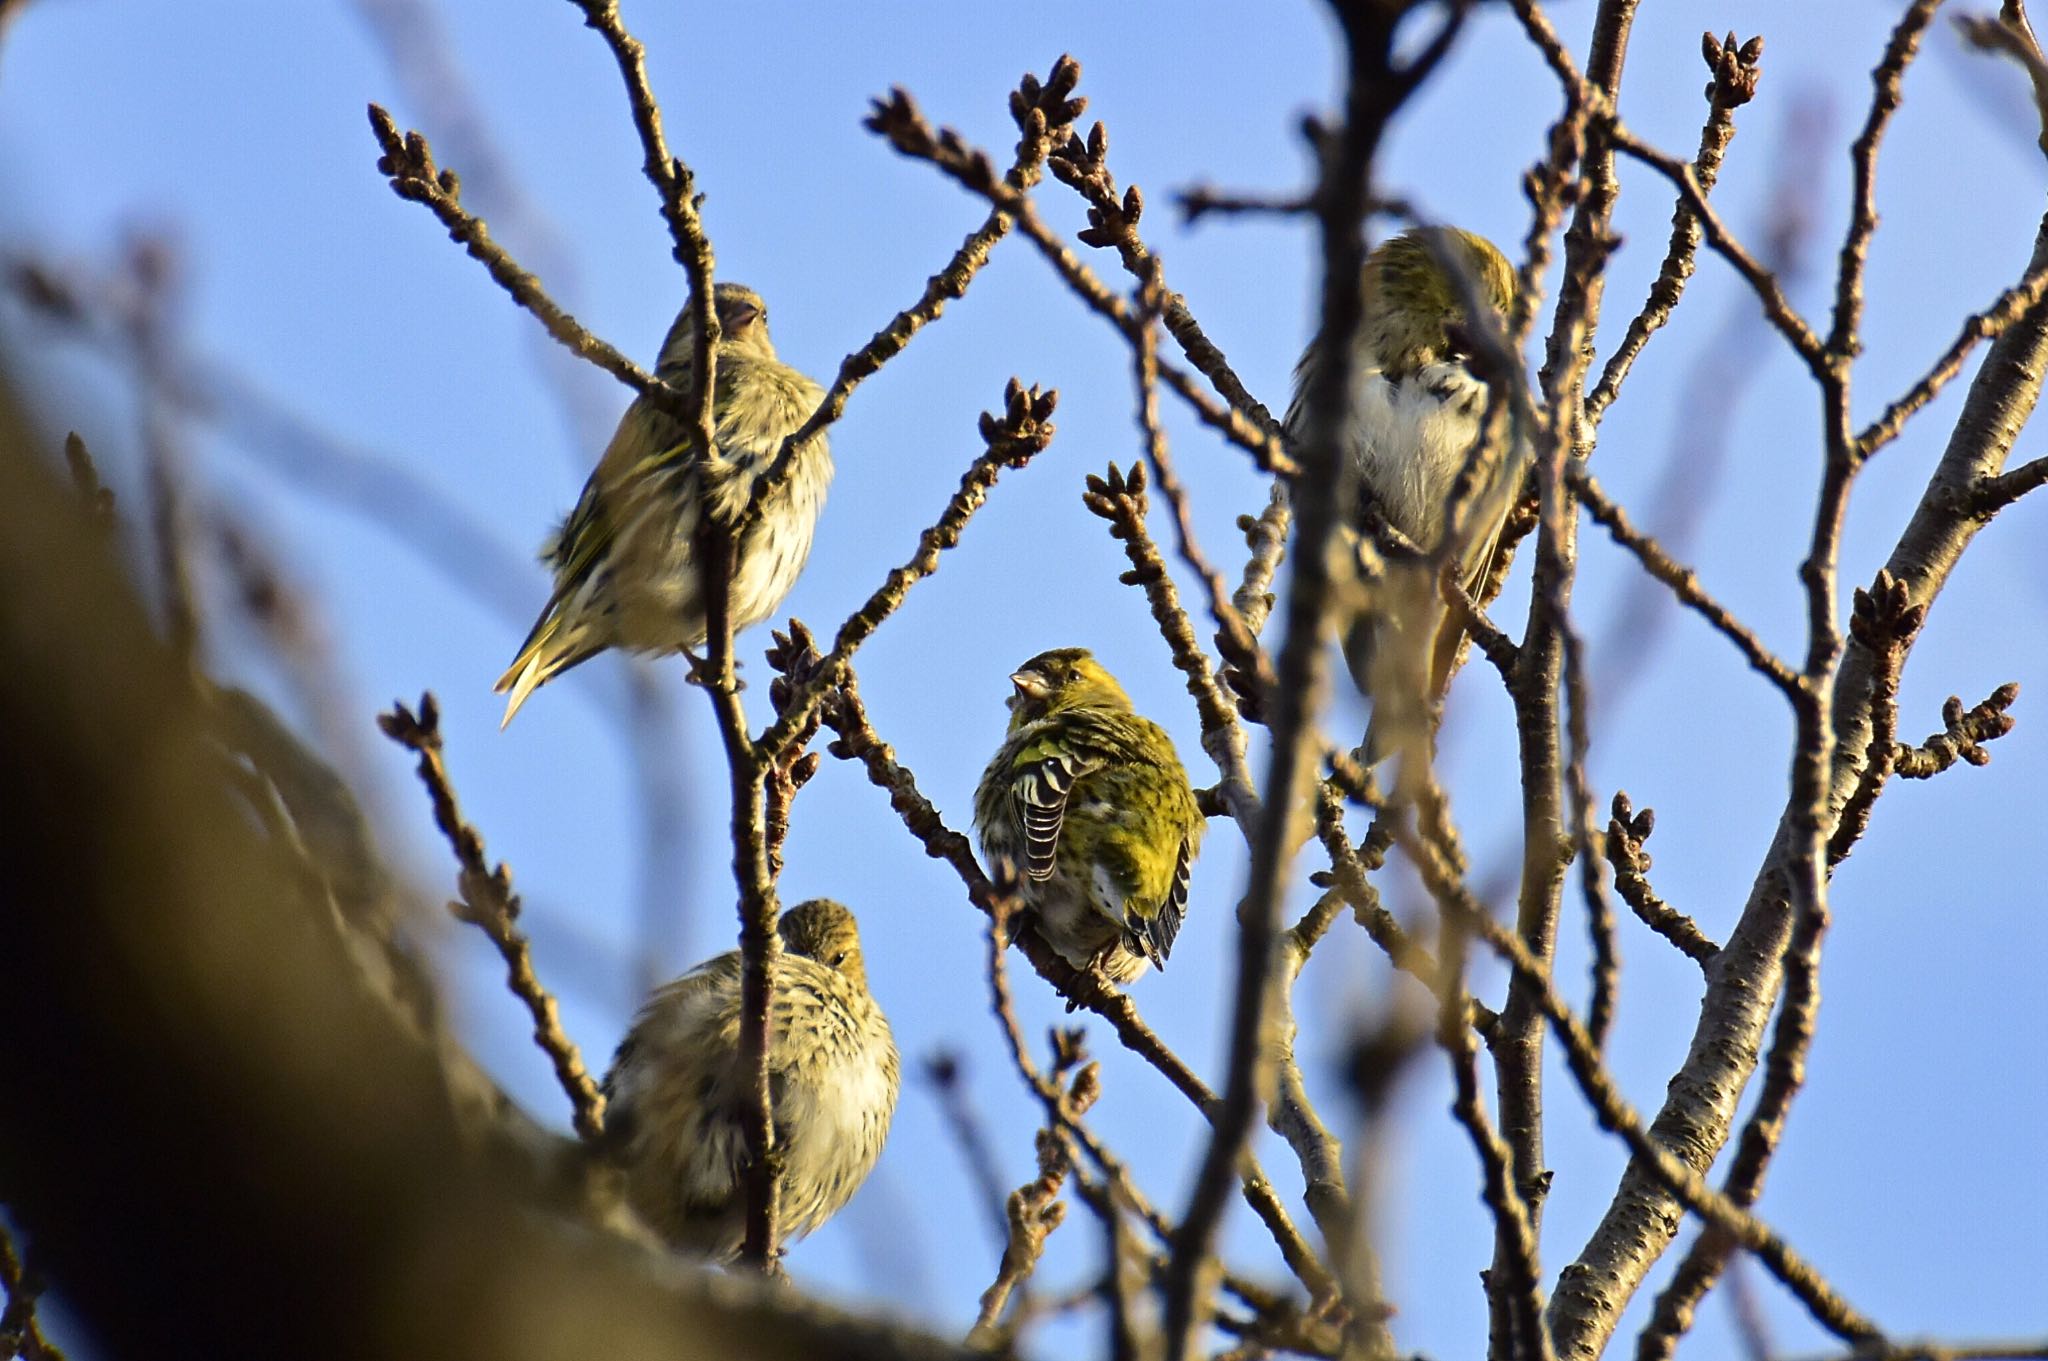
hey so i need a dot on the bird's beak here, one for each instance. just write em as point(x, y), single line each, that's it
point(738, 316)
point(1030, 684)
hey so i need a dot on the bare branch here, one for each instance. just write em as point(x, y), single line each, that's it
point(1234, 639)
point(1266, 536)
point(1198, 201)
point(673, 180)
point(2010, 306)
point(1083, 166)
point(1033, 1209)
point(1516, 1277)
point(1009, 441)
point(1734, 73)
point(1617, 1116)
point(1962, 736)
point(1845, 337)
point(944, 1070)
point(1761, 281)
point(488, 903)
point(1040, 111)
point(1375, 86)
point(1120, 499)
point(1994, 494)
point(1683, 583)
point(1626, 833)
point(897, 118)
point(409, 163)
point(1704, 1094)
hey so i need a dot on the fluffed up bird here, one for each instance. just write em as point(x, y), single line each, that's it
point(622, 560)
point(1419, 408)
point(675, 1123)
point(1090, 803)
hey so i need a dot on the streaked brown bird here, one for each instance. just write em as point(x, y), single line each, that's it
point(675, 1125)
point(623, 560)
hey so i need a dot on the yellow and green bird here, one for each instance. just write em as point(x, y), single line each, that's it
point(1088, 799)
point(1419, 403)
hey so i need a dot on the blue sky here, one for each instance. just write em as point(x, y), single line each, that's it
point(237, 130)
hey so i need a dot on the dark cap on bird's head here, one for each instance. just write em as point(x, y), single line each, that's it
point(825, 931)
point(1062, 678)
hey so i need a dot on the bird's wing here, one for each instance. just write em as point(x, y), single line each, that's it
point(1156, 934)
point(1044, 776)
point(677, 1011)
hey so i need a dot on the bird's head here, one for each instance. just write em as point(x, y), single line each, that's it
point(1414, 311)
point(742, 328)
point(1064, 678)
point(826, 932)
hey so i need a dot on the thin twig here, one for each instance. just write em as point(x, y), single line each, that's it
point(1962, 736)
point(1845, 336)
point(152, 266)
point(1626, 833)
point(409, 163)
point(1989, 324)
point(488, 903)
point(1041, 111)
point(1083, 166)
point(1198, 201)
point(1734, 73)
point(1120, 499)
point(673, 180)
point(1293, 1116)
point(897, 118)
point(1783, 315)
point(1682, 581)
point(2012, 35)
point(1034, 1209)
point(1237, 643)
point(1010, 441)
point(1516, 1275)
point(1995, 494)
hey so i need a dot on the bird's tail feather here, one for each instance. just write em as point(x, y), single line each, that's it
point(547, 653)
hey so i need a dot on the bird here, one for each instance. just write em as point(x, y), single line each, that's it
point(1089, 802)
point(622, 560)
point(676, 1096)
point(1419, 400)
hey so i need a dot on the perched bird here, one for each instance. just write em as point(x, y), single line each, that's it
point(674, 1124)
point(1090, 803)
point(624, 574)
point(1419, 409)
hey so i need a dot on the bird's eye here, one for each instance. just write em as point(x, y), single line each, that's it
point(838, 959)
